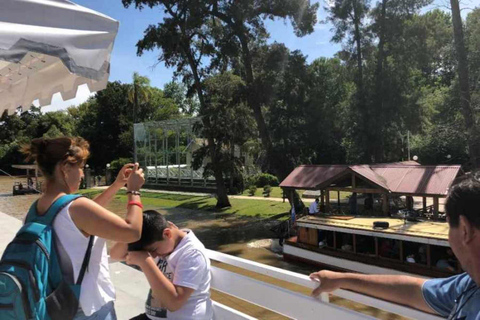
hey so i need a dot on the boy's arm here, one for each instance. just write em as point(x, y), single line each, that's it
point(172, 297)
point(119, 251)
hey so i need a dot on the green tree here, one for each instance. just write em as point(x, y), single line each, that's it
point(243, 27)
point(138, 93)
point(230, 124)
point(184, 44)
point(188, 103)
point(468, 113)
point(348, 18)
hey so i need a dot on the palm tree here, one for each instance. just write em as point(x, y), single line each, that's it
point(138, 93)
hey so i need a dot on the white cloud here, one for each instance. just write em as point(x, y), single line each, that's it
point(58, 104)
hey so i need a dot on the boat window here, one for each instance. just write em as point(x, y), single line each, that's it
point(365, 245)
point(389, 248)
point(344, 241)
point(325, 239)
point(415, 252)
point(443, 258)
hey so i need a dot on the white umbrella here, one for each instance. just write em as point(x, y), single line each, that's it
point(50, 46)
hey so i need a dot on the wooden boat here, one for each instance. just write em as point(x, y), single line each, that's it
point(353, 244)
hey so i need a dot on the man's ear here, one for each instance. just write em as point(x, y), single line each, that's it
point(467, 230)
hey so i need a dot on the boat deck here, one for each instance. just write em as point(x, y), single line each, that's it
point(417, 231)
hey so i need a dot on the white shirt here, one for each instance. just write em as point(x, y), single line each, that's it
point(313, 207)
point(97, 288)
point(187, 266)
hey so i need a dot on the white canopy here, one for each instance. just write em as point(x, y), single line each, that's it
point(50, 46)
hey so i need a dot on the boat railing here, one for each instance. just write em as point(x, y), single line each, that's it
point(286, 302)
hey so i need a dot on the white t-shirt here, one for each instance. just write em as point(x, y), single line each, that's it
point(313, 207)
point(187, 266)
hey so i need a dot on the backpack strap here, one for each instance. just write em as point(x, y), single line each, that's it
point(55, 208)
point(86, 260)
point(49, 217)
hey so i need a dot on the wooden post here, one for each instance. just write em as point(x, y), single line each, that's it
point(376, 246)
point(338, 200)
point(334, 240)
point(385, 205)
point(327, 201)
point(424, 205)
point(435, 207)
point(322, 200)
point(353, 181)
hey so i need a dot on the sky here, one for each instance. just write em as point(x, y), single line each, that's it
point(124, 60)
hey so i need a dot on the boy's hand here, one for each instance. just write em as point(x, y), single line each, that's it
point(137, 258)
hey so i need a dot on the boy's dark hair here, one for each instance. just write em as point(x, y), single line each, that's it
point(464, 199)
point(152, 230)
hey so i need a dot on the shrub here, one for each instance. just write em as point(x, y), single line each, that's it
point(251, 190)
point(267, 190)
point(262, 179)
point(265, 179)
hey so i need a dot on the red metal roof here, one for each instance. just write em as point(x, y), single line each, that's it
point(404, 178)
point(310, 176)
point(428, 180)
point(366, 172)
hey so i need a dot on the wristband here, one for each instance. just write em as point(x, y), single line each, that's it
point(135, 203)
point(133, 192)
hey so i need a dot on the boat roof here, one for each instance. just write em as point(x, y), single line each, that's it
point(407, 178)
point(427, 232)
point(25, 166)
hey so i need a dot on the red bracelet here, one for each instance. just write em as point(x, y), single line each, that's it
point(135, 203)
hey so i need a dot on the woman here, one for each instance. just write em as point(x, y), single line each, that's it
point(61, 161)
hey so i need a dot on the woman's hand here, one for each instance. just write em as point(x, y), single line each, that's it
point(137, 258)
point(136, 179)
point(328, 281)
point(123, 175)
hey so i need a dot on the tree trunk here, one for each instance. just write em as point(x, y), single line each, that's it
point(362, 106)
point(379, 112)
point(222, 197)
point(463, 78)
point(277, 162)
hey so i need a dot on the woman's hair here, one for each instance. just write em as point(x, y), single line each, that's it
point(47, 153)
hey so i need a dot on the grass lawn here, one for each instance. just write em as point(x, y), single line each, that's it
point(277, 193)
point(243, 207)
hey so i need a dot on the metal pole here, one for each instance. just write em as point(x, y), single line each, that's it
point(134, 144)
point(408, 144)
point(156, 157)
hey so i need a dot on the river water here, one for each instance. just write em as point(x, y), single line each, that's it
point(244, 237)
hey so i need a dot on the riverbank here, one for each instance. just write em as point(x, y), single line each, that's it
point(258, 208)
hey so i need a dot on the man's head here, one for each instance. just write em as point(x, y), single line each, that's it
point(316, 200)
point(463, 216)
point(157, 235)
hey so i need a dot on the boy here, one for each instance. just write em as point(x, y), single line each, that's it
point(177, 269)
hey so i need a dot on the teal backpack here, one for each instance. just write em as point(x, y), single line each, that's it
point(31, 282)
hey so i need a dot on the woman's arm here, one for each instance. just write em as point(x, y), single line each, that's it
point(119, 251)
point(93, 219)
point(106, 196)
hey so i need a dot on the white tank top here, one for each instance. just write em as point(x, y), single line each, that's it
point(97, 288)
